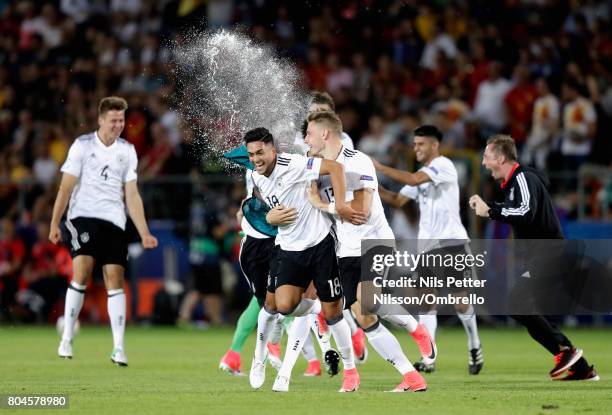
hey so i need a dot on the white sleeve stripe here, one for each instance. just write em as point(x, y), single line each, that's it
point(524, 207)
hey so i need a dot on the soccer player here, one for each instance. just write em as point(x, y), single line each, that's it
point(306, 253)
point(99, 180)
point(435, 186)
point(528, 209)
point(255, 255)
point(323, 137)
point(322, 101)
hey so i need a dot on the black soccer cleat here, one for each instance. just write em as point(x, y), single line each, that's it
point(332, 362)
point(476, 361)
point(588, 375)
point(422, 367)
point(565, 360)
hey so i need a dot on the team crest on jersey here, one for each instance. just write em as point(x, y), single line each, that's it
point(85, 237)
point(120, 159)
point(279, 183)
point(511, 197)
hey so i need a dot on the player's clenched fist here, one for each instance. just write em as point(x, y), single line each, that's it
point(55, 235)
point(149, 242)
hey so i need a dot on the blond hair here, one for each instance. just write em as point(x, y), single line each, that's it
point(328, 119)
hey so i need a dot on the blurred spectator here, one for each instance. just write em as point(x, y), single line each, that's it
point(12, 257)
point(339, 76)
point(489, 108)
point(439, 43)
point(45, 277)
point(579, 125)
point(519, 104)
point(45, 168)
point(376, 142)
point(207, 233)
point(544, 126)
point(153, 162)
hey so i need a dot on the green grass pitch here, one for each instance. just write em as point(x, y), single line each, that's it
point(174, 371)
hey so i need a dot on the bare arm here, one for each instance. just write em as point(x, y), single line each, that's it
point(394, 199)
point(362, 201)
point(136, 210)
point(335, 171)
point(338, 181)
point(412, 179)
point(61, 201)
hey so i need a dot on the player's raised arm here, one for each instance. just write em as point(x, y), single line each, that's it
point(61, 201)
point(394, 199)
point(411, 179)
point(135, 208)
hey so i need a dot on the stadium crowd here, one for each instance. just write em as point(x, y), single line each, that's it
point(540, 70)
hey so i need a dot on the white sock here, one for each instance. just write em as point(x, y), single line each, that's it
point(277, 330)
point(430, 321)
point(388, 347)
point(297, 334)
point(308, 351)
point(265, 325)
point(348, 316)
point(74, 301)
point(307, 306)
point(342, 335)
point(324, 342)
point(471, 328)
point(116, 313)
point(405, 321)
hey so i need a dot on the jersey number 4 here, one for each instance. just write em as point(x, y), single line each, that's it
point(104, 173)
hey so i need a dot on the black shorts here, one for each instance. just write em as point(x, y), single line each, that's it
point(255, 255)
point(442, 273)
point(207, 278)
point(103, 240)
point(317, 263)
point(350, 275)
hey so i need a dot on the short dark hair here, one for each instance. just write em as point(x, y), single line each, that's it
point(503, 144)
point(428, 131)
point(323, 98)
point(258, 134)
point(112, 104)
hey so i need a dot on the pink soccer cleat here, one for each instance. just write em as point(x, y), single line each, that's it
point(427, 346)
point(350, 383)
point(230, 362)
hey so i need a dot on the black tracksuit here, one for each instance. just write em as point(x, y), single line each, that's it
point(528, 209)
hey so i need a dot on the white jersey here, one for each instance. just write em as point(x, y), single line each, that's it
point(360, 174)
point(102, 171)
point(244, 224)
point(287, 185)
point(438, 202)
point(346, 140)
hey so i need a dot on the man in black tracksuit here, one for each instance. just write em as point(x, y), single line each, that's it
point(527, 207)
